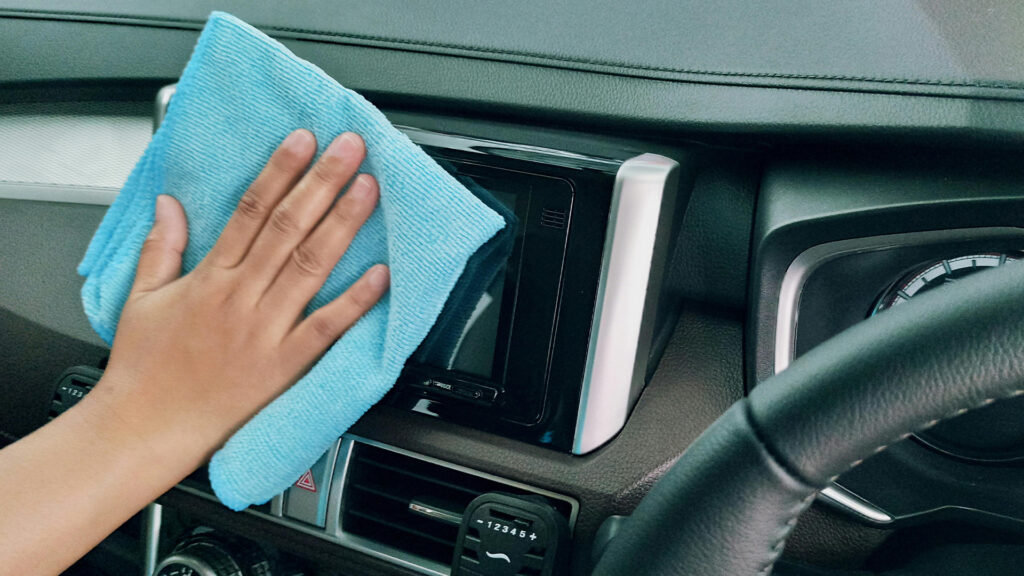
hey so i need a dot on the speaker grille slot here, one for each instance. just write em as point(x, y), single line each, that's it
point(553, 218)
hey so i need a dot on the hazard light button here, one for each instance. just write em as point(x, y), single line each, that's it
point(306, 499)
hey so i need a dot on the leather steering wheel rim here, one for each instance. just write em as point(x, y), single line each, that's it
point(728, 504)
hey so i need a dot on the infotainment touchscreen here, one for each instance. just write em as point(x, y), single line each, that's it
point(548, 335)
point(505, 305)
point(474, 351)
point(470, 323)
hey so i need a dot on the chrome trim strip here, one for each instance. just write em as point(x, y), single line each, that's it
point(840, 497)
point(334, 531)
point(789, 304)
point(435, 513)
point(635, 248)
point(163, 99)
point(36, 192)
point(105, 196)
point(277, 505)
point(152, 521)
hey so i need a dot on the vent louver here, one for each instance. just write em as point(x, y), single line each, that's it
point(411, 504)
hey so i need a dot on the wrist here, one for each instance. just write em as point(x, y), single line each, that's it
point(141, 429)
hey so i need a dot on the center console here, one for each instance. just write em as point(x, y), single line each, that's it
point(547, 338)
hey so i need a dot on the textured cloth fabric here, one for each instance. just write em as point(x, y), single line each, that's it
point(483, 269)
point(239, 96)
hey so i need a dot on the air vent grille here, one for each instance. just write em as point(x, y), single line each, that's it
point(411, 504)
point(553, 218)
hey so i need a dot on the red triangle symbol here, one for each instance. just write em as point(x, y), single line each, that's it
point(306, 481)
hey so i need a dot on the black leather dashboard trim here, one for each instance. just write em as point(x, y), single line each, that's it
point(63, 54)
point(385, 41)
point(919, 84)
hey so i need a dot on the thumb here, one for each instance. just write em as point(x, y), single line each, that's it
point(160, 259)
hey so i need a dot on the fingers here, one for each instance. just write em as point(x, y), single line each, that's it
point(282, 171)
point(298, 212)
point(315, 257)
point(160, 259)
point(322, 328)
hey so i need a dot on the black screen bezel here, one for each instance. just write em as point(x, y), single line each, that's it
point(538, 395)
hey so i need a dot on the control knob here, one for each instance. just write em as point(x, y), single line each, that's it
point(206, 555)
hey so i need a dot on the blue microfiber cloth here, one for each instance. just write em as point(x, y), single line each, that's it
point(240, 95)
point(442, 343)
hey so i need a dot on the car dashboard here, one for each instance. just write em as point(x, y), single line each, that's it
point(703, 193)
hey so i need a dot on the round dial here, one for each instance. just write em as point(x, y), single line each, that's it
point(199, 559)
point(206, 555)
point(938, 274)
point(991, 434)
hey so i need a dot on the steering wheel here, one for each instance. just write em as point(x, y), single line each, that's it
point(729, 503)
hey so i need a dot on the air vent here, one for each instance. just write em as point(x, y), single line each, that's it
point(553, 218)
point(411, 504)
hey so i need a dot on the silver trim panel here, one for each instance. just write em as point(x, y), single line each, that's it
point(334, 531)
point(842, 498)
point(106, 196)
point(635, 250)
point(152, 522)
point(57, 193)
point(163, 100)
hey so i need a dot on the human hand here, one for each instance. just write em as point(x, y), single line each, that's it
point(196, 356)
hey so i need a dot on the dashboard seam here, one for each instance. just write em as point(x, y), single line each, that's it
point(192, 24)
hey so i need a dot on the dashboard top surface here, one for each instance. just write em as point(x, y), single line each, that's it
point(906, 46)
point(911, 70)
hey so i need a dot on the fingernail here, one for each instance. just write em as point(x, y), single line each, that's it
point(380, 277)
point(347, 144)
point(299, 140)
point(162, 204)
point(361, 186)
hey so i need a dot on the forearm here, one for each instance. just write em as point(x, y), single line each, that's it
point(71, 483)
point(195, 356)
